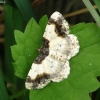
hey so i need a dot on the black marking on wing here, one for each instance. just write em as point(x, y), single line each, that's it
point(59, 29)
point(44, 51)
point(40, 79)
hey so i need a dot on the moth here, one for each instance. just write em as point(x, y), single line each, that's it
point(58, 46)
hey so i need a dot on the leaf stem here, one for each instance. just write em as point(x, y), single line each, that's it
point(97, 2)
point(92, 11)
point(18, 94)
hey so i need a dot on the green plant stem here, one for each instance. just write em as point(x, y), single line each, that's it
point(18, 94)
point(26, 9)
point(3, 90)
point(97, 2)
point(92, 11)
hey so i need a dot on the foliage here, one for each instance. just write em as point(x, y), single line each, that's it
point(3, 91)
point(27, 46)
point(84, 66)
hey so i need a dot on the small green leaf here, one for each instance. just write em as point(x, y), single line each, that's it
point(33, 28)
point(43, 22)
point(26, 49)
point(21, 67)
point(19, 38)
point(17, 51)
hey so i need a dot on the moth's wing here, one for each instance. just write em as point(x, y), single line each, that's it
point(67, 45)
point(60, 21)
point(59, 66)
point(49, 69)
point(57, 32)
point(74, 46)
point(57, 43)
point(57, 26)
point(65, 70)
point(38, 76)
point(60, 44)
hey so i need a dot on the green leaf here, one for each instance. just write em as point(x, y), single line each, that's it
point(26, 49)
point(85, 67)
point(43, 22)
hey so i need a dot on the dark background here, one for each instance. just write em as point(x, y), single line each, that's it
point(64, 7)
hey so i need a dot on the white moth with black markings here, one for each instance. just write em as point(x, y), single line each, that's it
point(57, 48)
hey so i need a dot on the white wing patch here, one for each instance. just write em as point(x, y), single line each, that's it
point(57, 48)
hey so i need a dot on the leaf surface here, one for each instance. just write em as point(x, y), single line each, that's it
point(27, 45)
point(85, 66)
